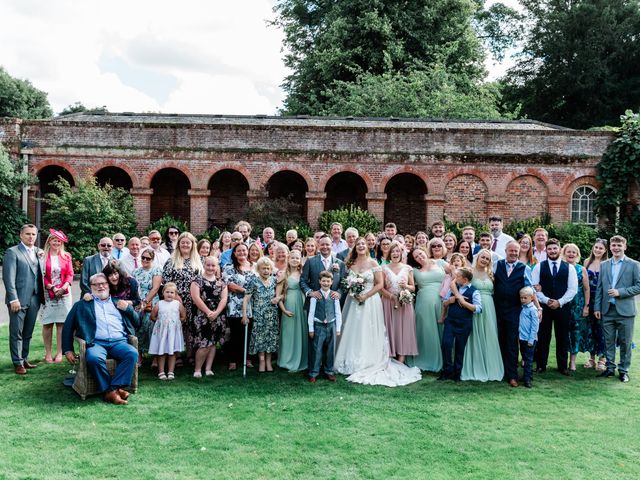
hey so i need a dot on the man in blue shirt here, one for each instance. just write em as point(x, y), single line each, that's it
point(105, 324)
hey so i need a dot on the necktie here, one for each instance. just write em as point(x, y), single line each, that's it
point(32, 255)
point(495, 244)
point(510, 269)
point(554, 270)
point(325, 262)
point(135, 262)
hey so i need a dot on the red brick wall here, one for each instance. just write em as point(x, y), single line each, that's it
point(516, 172)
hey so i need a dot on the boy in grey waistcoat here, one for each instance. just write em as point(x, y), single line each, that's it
point(325, 322)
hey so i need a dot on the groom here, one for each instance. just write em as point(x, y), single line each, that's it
point(325, 260)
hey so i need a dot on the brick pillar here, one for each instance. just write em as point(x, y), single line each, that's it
point(142, 206)
point(498, 206)
point(435, 209)
point(199, 217)
point(375, 204)
point(255, 196)
point(33, 205)
point(558, 208)
point(315, 206)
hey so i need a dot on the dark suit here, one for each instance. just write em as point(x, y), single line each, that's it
point(23, 281)
point(618, 317)
point(81, 322)
point(310, 278)
point(90, 266)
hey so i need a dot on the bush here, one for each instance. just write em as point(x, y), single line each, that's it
point(12, 219)
point(456, 227)
point(165, 222)
point(351, 216)
point(212, 234)
point(88, 212)
point(281, 214)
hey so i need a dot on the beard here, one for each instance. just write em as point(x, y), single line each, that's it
point(103, 295)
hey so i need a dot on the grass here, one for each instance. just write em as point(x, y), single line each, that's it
point(277, 426)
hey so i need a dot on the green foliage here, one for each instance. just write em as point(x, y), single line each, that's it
point(78, 107)
point(12, 179)
point(456, 227)
point(165, 222)
point(88, 212)
point(281, 214)
point(351, 216)
point(340, 41)
point(527, 225)
point(430, 93)
point(499, 26)
point(580, 65)
point(618, 172)
point(19, 98)
point(212, 234)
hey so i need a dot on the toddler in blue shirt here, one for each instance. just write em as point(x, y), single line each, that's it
point(528, 332)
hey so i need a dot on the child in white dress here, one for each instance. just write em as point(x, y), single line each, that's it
point(166, 338)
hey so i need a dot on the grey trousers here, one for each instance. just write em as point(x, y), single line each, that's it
point(21, 326)
point(620, 328)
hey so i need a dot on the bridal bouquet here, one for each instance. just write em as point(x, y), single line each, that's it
point(406, 297)
point(354, 285)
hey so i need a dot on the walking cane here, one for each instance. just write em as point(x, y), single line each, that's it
point(244, 363)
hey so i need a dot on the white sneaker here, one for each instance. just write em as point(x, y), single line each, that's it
point(197, 374)
point(209, 373)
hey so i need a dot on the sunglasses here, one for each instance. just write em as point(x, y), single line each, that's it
point(436, 246)
point(146, 258)
point(103, 245)
point(173, 233)
point(119, 240)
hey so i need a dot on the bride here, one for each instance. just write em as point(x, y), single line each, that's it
point(363, 351)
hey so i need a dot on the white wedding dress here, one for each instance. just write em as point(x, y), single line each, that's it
point(363, 348)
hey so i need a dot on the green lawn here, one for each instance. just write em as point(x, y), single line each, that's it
point(278, 426)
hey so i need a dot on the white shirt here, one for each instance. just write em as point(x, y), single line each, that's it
point(128, 262)
point(502, 239)
point(31, 251)
point(161, 256)
point(541, 256)
point(572, 283)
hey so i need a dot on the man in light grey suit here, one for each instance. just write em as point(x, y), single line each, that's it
point(325, 260)
point(22, 273)
point(95, 263)
point(618, 284)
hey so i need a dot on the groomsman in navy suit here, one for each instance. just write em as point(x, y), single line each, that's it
point(558, 285)
point(615, 305)
point(325, 260)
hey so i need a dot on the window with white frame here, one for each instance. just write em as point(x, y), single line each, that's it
point(583, 203)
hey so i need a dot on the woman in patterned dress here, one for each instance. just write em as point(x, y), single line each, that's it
point(149, 279)
point(208, 325)
point(594, 343)
point(181, 269)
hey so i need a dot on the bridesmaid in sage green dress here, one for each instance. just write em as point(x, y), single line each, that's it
point(428, 277)
point(294, 332)
point(482, 358)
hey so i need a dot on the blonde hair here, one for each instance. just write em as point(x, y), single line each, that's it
point(571, 245)
point(393, 245)
point(439, 241)
point(170, 286)
point(194, 256)
point(465, 262)
point(489, 269)
point(254, 246)
point(264, 261)
point(47, 247)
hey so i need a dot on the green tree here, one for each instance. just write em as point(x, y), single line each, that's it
point(19, 98)
point(88, 212)
point(332, 44)
point(580, 64)
point(12, 179)
point(78, 107)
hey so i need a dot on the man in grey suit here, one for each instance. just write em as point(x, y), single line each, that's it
point(22, 273)
point(95, 263)
point(325, 260)
point(618, 284)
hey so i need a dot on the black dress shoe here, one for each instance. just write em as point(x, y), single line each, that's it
point(443, 376)
point(624, 378)
point(541, 369)
point(528, 384)
point(566, 372)
point(607, 374)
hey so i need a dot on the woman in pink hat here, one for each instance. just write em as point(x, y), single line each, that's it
point(58, 277)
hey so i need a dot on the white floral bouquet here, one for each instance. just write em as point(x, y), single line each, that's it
point(354, 284)
point(406, 297)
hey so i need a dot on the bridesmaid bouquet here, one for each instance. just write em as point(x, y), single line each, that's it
point(405, 297)
point(354, 285)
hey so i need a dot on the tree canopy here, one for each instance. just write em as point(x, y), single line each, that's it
point(347, 54)
point(19, 98)
point(580, 64)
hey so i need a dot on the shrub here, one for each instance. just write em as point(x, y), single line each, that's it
point(351, 216)
point(165, 222)
point(281, 214)
point(12, 219)
point(212, 234)
point(88, 212)
point(456, 227)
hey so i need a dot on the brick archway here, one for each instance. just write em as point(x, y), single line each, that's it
point(170, 194)
point(228, 197)
point(345, 188)
point(405, 204)
point(46, 178)
point(292, 186)
point(115, 176)
point(526, 196)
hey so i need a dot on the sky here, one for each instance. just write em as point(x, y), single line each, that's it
point(194, 56)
